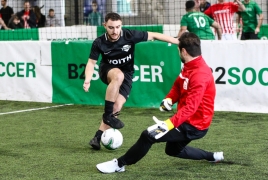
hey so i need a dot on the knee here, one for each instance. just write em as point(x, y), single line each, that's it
point(145, 135)
point(118, 76)
point(171, 152)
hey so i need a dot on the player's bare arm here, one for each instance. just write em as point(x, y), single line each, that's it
point(182, 30)
point(162, 37)
point(89, 73)
point(241, 6)
point(218, 29)
point(257, 30)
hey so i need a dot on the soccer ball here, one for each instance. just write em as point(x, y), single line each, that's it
point(112, 139)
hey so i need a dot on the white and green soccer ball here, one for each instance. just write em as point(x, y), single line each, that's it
point(112, 139)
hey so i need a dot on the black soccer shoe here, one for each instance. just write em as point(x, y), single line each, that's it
point(95, 143)
point(112, 121)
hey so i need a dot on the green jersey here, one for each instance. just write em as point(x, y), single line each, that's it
point(249, 16)
point(199, 24)
point(95, 19)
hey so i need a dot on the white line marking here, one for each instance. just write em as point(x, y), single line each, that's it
point(35, 109)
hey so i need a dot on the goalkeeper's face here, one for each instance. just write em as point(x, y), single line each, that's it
point(113, 29)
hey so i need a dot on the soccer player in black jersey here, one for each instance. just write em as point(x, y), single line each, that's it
point(116, 47)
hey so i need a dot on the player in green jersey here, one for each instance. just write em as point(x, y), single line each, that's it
point(198, 23)
point(250, 24)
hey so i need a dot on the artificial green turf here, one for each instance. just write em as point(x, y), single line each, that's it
point(53, 144)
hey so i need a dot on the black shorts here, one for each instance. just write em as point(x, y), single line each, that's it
point(249, 35)
point(127, 83)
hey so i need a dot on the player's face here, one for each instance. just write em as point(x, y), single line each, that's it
point(113, 29)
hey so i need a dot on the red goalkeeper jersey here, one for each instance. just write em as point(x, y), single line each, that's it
point(194, 91)
point(223, 14)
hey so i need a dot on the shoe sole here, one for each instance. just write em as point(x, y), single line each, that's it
point(94, 146)
point(115, 127)
point(110, 172)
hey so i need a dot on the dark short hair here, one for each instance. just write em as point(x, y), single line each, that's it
point(50, 10)
point(112, 16)
point(191, 43)
point(94, 2)
point(189, 5)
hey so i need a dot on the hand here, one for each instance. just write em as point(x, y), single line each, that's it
point(160, 128)
point(166, 105)
point(86, 86)
point(257, 30)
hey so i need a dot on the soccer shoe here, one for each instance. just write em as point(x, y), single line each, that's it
point(95, 143)
point(110, 167)
point(218, 156)
point(112, 121)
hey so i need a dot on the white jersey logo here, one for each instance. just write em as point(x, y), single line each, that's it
point(126, 48)
point(107, 52)
point(185, 83)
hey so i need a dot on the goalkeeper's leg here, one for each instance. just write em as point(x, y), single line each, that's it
point(187, 152)
point(144, 143)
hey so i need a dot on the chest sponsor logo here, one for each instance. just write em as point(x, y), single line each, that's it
point(126, 48)
point(107, 52)
point(222, 11)
point(120, 61)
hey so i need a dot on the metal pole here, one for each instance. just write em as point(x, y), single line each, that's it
point(76, 13)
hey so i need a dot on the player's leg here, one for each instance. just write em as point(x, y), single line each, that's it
point(243, 37)
point(95, 142)
point(252, 35)
point(124, 91)
point(181, 150)
point(113, 77)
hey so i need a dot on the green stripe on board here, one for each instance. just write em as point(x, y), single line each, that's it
point(19, 34)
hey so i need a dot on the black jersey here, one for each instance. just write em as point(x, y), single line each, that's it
point(6, 14)
point(119, 53)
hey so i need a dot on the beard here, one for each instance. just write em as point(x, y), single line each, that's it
point(112, 37)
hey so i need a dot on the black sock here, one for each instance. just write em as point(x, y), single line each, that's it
point(210, 156)
point(98, 134)
point(109, 106)
point(120, 162)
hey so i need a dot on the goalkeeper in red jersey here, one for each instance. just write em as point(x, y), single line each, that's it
point(194, 91)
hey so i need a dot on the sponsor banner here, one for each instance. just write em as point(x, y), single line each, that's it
point(240, 70)
point(22, 75)
point(156, 67)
